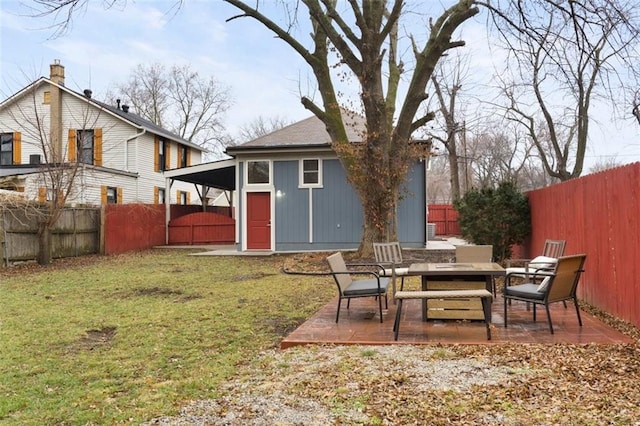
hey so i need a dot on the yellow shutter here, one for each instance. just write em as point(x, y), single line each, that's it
point(46, 98)
point(156, 191)
point(188, 156)
point(119, 196)
point(188, 198)
point(71, 145)
point(156, 154)
point(103, 194)
point(178, 197)
point(17, 148)
point(42, 194)
point(97, 147)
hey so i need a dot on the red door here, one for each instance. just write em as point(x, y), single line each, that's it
point(258, 221)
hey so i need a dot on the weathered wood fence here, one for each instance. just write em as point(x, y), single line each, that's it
point(76, 233)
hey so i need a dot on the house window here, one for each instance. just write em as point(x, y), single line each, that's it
point(85, 140)
point(183, 156)
point(161, 194)
point(183, 197)
point(310, 173)
point(162, 154)
point(112, 195)
point(258, 172)
point(6, 149)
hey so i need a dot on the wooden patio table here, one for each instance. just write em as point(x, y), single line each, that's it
point(455, 276)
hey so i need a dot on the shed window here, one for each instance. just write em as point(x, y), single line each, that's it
point(258, 172)
point(311, 173)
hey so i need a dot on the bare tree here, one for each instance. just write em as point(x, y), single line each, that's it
point(364, 37)
point(564, 56)
point(180, 100)
point(261, 126)
point(447, 83)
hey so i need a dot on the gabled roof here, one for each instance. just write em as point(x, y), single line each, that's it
point(308, 133)
point(118, 113)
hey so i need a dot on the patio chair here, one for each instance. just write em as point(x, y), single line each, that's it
point(557, 286)
point(476, 254)
point(389, 255)
point(552, 250)
point(349, 288)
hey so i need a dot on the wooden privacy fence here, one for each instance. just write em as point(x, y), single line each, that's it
point(129, 227)
point(597, 215)
point(445, 218)
point(76, 233)
point(202, 228)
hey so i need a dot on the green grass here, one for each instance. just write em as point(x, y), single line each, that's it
point(125, 339)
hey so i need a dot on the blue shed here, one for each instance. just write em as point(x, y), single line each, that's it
point(292, 193)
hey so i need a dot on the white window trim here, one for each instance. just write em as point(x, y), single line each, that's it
point(258, 185)
point(301, 183)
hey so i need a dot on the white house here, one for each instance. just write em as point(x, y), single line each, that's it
point(53, 138)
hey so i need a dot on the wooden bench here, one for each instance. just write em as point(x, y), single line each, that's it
point(484, 295)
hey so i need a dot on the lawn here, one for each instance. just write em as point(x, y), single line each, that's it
point(113, 340)
point(168, 338)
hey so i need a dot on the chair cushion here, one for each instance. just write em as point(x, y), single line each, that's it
point(399, 272)
point(541, 262)
point(368, 286)
point(544, 284)
point(527, 290)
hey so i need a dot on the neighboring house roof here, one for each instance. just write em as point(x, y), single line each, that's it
point(308, 133)
point(119, 113)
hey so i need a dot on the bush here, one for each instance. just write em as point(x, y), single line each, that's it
point(500, 217)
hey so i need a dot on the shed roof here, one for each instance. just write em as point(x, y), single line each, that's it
point(310, 132)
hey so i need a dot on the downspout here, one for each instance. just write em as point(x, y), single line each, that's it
point(126, 153)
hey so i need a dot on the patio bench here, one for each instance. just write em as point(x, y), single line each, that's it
point(485, 297)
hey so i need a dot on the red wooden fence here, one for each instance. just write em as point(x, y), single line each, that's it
point(129, 227)
point(599, 215)
point(202, 228)
point(445, 217)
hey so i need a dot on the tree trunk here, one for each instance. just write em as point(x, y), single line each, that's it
point(44, 245)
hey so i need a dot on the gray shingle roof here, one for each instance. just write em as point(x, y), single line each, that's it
point(306, 133)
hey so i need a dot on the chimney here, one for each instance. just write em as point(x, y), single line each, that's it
point(125, 108)
point(55, 136)
point(56, 72)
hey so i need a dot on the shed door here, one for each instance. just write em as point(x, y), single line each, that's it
point(259, 221)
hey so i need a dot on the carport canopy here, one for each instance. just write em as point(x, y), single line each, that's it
point(219, 174)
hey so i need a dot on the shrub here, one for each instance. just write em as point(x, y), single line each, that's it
point(500, 217)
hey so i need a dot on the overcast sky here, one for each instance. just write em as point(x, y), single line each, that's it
point(265, 76)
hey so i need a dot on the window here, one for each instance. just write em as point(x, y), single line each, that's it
point(258, 172)
point(160, 198)
point(310, 173)
point(183, 197)
point(6, 149)
point(161, 154)
point(85, 139)
point(112, 195)
point(183, 158)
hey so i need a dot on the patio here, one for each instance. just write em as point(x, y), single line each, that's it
point(360, 325)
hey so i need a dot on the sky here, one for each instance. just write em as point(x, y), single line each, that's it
point(265, 76)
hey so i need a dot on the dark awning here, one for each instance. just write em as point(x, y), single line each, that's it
point(217, 174)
